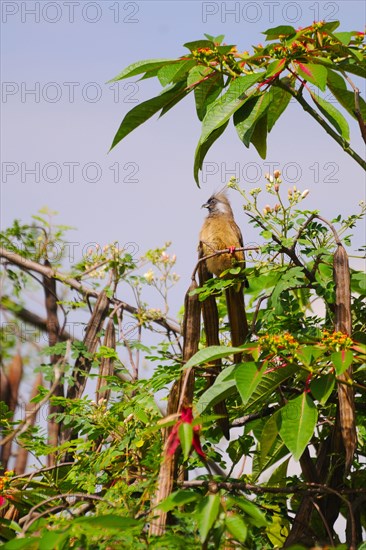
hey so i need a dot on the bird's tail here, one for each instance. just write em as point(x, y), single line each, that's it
point(237, 317)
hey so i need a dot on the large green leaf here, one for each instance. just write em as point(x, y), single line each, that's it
point(342, 360)
point(270, 382)
point(178, 498)
point(143, 67)
point(224, 386)
point(259, 136)
point(298, 421)
point(248, 114)
point(316, 74)
point(269, 436)
point(333, 115)
point(208, 512)
point(210, 85)
point(197, 44)
point(279, 101)
point(185, 432)
point(276, 32)
point(225, 106)
point(142, 112)
point(249, 508)
point(202, 149)
point(211, 353)
point(236, 527)
point(247, 377)
point(322, 387)
point(175, 71)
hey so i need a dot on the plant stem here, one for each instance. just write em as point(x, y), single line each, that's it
point(305, 105)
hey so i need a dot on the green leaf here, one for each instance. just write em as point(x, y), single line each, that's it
point(270, 383)
point(333, 115)
point(298, 421)
point(202, 149)
point(145, 110)
point(196, 44)
point(249, 508)
point(208, 512)
point(247, 116)
point(223, 387)
point(309, 354)
point(185, 433)
point(269, 436)
point(225, 106)
point(247, 377)
point(236, 527)
point(278, 477)
point(109, 521)
point(344, 37)
point(346, 98)
point(210, 85)
point(142, 67)
point(175, 71)
point(211, 353)
point(316, 74)
point(53, 539)
point(276, 32)
point(178, 498)
point(342, 360)
point(279, 101)
point(259, 136)
point(322, 388)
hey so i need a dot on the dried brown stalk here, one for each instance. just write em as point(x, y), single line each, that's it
point(180, 396)
point(14, 378)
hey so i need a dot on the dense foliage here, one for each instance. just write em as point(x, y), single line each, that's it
point(290, 462)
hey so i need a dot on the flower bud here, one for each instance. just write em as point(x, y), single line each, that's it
point(276, 187)
point(276, 174)
point(305, 193)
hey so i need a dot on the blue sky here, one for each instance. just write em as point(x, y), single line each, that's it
point(66, 51)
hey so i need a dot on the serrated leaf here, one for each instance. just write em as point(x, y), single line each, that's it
point(342, 360)
point(322, 387)
point(208, 512)
point(247, 377)
point(298, 421)
point(316, 74)
point(176, 499)
point(236, 527)
point(333, 115)
point(145, 110)
point(142, 67)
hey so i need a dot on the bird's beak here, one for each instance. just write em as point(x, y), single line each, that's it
point(205, 205)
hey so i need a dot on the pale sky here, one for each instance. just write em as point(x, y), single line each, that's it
point(66, 51)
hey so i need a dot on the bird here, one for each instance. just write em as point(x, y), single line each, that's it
point(220, 232)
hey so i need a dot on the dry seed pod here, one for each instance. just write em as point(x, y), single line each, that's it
point(191, 322)
point(343, 323)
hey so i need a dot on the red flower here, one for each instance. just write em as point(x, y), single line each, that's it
point(186, 415)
